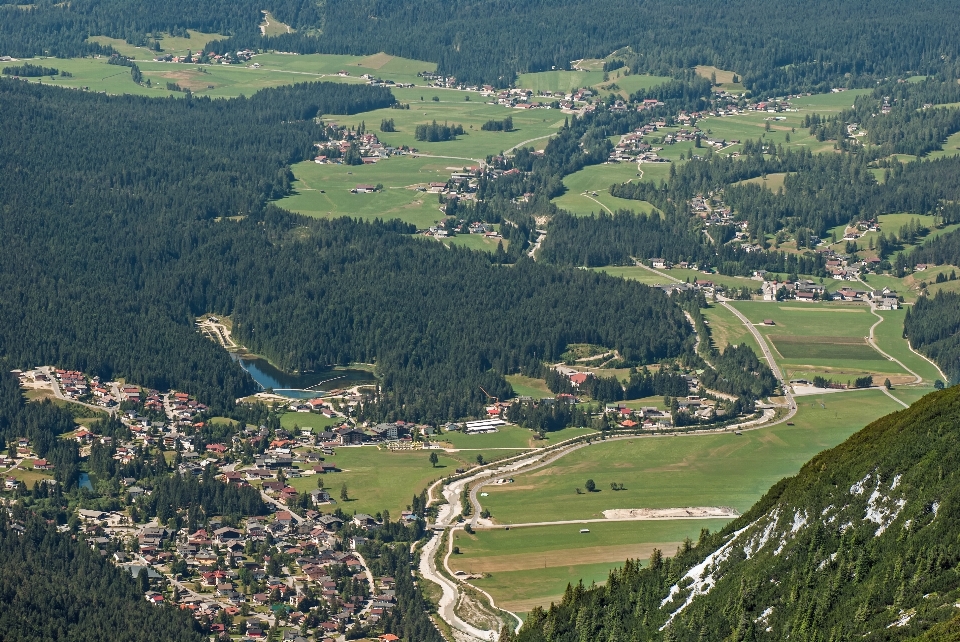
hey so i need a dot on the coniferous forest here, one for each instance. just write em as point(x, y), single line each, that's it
point(56, 587)
point(123, 244)
point(852, 43)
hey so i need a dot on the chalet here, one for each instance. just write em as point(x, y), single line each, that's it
point(580, 378)
point(42, 464)
point(285, 518)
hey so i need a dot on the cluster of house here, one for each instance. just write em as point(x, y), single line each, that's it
point(24, 459)
point(209, 57)
point(646, 418)
point(222, 576)
point(370, 148)
point(445, 229)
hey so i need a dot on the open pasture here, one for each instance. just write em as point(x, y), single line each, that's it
point(726, 329)
point(889, 336)
point(475, 144)
point(522, 591)
point(175, 45)
point(532, 566)
point(828, 339)
point(812, 347)
point(700, 470)
point(226, 81)
point(579, 198)
point(624, 86)
point(324, 190)
point(529, 387)
point(559, 80)
point(381, 479)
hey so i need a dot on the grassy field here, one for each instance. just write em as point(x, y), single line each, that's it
point(666, 472)
point(564, 81)
point(521, 591)
point(889, 336)
point(452, 107)
point(324, 190)
point(529, 387)
point(227, 80)
point(509, 437)
point(579, 198)
point(727, 329)
point(822, 338)
point(476, 242)
point(313, 421)
point(175, 45)
point(528, 567)
point(379, 479)
point(624, 86)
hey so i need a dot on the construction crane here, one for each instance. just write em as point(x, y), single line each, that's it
point(489, 396)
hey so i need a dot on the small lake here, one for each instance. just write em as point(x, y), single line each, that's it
point(302, 386)
point(84, 481)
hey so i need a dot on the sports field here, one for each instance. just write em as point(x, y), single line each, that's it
point(669, 472)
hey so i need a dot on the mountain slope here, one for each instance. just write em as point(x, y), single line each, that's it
point(862, 543)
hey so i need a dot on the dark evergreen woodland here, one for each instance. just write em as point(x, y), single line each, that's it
point(55, 587)
point(127, 217)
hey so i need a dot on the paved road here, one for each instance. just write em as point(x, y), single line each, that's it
point(529, 140)
point(873, 344)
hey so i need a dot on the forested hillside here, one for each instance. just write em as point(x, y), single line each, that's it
point(493, 40)
point(861, 544)
point(115, 218)
point(55, 587)
point(933, 327)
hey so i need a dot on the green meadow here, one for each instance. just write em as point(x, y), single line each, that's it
point(581, 185)
point(509, 437)
point(380, 479)
point(726, 329)
point(324, 190)
point(311, 420)
point(701, 470)
point(452, 107)
point(826, 339)
point(889, 336)
point(529, 567)
point(226, 81)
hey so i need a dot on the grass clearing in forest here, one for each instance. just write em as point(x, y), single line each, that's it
point(529, 387)
point(324, 190)
point(700, 470)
